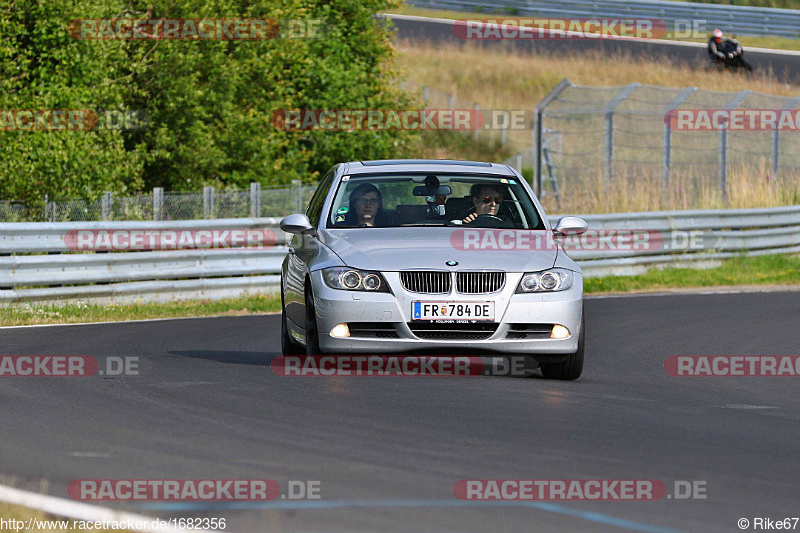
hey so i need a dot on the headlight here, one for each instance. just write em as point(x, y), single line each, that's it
point(352, 279)
point(555, 279)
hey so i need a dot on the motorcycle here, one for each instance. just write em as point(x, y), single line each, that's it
point(730, 56)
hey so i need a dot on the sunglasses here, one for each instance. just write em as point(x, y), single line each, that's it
point(367, 201)
point(489, 199)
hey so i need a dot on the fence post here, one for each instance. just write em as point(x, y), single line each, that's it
point(450, 102)
point(208, 201)
point(297, 185)
point(426, 93)
point(538, 136)
point(776, 141)
point(722, 166)
point(504, 130)
point(475, 121)
point(105, 205)
point(609, 137)
point(666, 163)
point(158, 203)
point(255, 200)
point(519, 162)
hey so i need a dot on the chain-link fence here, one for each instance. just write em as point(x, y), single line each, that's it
point(646, 148)
point(499, 127)
point(258, 201)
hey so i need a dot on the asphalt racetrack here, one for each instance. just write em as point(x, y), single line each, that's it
point(785, 65)
point(387, 451)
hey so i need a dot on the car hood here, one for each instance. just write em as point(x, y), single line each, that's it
point(393, 249)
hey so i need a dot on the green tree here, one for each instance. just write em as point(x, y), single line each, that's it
point(209, 102)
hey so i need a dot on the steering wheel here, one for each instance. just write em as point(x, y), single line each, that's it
point(488, 221)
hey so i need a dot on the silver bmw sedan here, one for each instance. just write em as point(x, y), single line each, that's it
point(400, 256)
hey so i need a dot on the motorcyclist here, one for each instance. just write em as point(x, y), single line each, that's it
point(725, 51)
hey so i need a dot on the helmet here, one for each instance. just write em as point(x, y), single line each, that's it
point(718, 33)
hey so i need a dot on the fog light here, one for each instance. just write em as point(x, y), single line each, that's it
point(340, 330)
point(559, 332)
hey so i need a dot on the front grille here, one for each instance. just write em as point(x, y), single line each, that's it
point(373, 330)
point(448, 332)
point(529, 331)
point(426, 281)
point(479, 282)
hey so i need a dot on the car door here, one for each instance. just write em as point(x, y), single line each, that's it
point(303, 249)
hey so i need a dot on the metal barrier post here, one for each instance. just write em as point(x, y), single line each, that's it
point(609, 137)
point(298, 185)
point(208, 202)
point(158, 203)
point(776, 141)
point(255, 200)
point(722, 165)
point(475, 121)
point(666, 163)
point(538, 133)
point(105, 205)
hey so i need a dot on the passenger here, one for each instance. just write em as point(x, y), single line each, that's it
point(366, 207)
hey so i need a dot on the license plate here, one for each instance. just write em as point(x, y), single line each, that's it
point(452, 310)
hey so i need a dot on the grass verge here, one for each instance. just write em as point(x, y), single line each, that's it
point(25, 314)
point(770, 270)
point(739, 271)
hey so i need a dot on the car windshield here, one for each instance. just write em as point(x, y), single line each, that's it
point(411, 200)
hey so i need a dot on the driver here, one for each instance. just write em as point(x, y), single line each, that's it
point(486, 200)
point(720, 46)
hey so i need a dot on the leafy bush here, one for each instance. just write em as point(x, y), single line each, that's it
point(209, 103)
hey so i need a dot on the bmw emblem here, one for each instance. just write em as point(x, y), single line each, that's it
point(451, 263)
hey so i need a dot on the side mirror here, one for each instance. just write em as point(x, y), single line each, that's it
point(574, 225)
point(297, 224)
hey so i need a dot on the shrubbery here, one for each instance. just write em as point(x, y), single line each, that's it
point(209, 102)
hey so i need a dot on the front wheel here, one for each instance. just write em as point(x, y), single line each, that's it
point(312, 333)
point(569, 369)
point(288, 347)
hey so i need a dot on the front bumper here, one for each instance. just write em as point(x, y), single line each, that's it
point(335, 306)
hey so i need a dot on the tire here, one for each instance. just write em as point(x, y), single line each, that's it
point(312, 333)
point(288, 346)
point(572, 367)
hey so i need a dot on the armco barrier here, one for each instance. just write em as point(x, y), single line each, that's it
point(743, 20)
point(37, 265)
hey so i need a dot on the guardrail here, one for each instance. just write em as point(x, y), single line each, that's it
point(742, 20)
point(38, 264)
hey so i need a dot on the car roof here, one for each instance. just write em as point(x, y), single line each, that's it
point(426, 165)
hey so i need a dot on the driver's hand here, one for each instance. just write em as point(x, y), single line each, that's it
point(469, 218)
